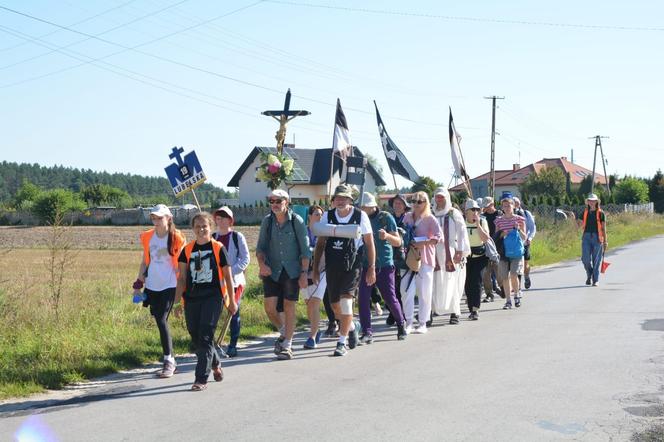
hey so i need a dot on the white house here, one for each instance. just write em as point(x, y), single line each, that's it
point(310, 180)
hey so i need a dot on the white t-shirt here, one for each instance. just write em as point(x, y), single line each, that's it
point(161, 274)
point(365, 224)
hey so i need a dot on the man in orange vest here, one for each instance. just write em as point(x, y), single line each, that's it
point(593, 241)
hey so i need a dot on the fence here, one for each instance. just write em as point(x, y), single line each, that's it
point(253, 214)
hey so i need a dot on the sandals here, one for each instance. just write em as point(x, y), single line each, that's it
point(217, 373)
point(198, 387)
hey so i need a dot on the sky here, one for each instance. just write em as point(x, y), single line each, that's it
point(114, 84)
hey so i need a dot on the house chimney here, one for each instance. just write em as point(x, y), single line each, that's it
point(515, 167)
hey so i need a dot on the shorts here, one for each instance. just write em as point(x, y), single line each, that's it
point(341, 282)
point(316, 291)
point(508, 266)
point(526, 252)
point(285, 288)
point(160, 302)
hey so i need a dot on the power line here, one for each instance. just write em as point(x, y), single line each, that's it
point(470, 19)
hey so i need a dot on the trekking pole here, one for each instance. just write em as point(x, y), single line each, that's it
point(224, 329)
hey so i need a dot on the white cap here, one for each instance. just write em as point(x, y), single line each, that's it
point(592, 197)
point(279, 193)
point(368, 200)
point(472, 204)
point(161, 210)
point(225, 209)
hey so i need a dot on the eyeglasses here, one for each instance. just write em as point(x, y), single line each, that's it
point(276, 201)
point(418, 201)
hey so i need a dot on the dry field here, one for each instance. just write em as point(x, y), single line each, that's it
point(93, 237)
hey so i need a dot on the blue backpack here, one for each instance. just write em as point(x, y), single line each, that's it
point(513, 245)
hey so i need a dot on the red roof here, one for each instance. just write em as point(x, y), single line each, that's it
point(516, 177)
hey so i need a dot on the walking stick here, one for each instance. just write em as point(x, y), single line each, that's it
point(224, 329)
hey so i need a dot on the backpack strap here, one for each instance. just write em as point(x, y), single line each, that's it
point(236, 243)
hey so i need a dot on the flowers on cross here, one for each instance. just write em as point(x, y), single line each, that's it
point(274, 169)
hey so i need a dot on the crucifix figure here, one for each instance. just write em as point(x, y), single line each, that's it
point(283, 117)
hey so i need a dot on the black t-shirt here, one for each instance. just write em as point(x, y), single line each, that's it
point(491, 221)
point(203, 277)
point(591, 222)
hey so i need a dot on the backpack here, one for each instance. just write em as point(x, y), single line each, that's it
point(343, 251)
point(513, 245)
point(236, 242)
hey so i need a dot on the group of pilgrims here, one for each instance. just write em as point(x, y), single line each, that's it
point(431, 250)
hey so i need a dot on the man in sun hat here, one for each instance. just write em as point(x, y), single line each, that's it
point(344, 264)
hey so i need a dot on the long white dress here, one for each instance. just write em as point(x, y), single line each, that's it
point(448, 286)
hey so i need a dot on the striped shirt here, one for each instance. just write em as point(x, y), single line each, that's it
point(506, 224)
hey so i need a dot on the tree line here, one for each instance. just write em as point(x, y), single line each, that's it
point(42, 189)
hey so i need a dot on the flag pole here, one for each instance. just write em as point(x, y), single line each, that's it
point(467, 178)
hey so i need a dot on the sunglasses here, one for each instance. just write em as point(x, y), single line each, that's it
point(275, 201)
point(418, 201)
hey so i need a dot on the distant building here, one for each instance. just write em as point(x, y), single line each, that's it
point(309, 182)
point(510, 180)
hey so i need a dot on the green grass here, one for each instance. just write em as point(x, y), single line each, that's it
point(98, 330)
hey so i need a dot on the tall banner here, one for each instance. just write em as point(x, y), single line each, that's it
point(396, 160)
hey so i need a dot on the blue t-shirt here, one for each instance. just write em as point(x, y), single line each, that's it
point(382, 220)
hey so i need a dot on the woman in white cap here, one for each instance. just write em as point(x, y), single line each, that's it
point(426, 235)
point(593, 241)
point(448, 282)
point(238, 259)
point(478, 235)
point(158, 274)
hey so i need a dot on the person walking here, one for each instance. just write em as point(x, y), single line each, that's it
point(343, 263)
point(531, 230)
point(509, 268)
point(427, 234)
point(399, 207)
point(385, 237)
point(158, 274)
point(594, 240)
point(205, 283)
point(238, 259)
point(450, 276)
point(489, 280)
point(314, 293)
point(283, 258)
point(478, 235)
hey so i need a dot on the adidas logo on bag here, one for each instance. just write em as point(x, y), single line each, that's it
point(338, 245)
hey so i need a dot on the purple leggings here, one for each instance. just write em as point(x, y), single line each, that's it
point(385, 284)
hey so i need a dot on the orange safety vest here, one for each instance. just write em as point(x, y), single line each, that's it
point(176, 246)
point(600, 227)
point(216, 249)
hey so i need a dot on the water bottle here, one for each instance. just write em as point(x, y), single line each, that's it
point(139, 297)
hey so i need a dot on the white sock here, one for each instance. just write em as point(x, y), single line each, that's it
point(287, 343)
point(342, 340)
point(352, 326)
point(169, 358)
point(282, 330)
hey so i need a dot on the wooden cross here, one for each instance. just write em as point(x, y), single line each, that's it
point(283, 117)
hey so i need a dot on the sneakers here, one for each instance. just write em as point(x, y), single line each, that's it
point(517, 301)
point(231, 351)
point(331, 331)
point(454, 319)
point(390, 321)
point(588, 281)
point(318, 336)
point(167, 370)
point(401, 332)
point(507, 306)
point(277, 345)
point(526, 282)
point(488, 299)
point(422, 329)
point(340, 350)
point(366, 339)
point(377, 309)
point(595, 284)
point(353, 335)
point(409, 329)
point(285, 354)
point(310, 344)
point(501, 292)
point(474, 316)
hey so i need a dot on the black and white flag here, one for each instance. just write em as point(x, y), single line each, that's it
point(457, 158)
point(341, 142)
point(396, 160)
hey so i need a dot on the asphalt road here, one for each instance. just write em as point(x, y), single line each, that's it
point(573, 363)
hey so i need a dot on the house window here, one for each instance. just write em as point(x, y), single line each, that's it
point(256, 173)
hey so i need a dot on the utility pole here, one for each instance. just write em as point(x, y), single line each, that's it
point(598, 143)
point(492, 173)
